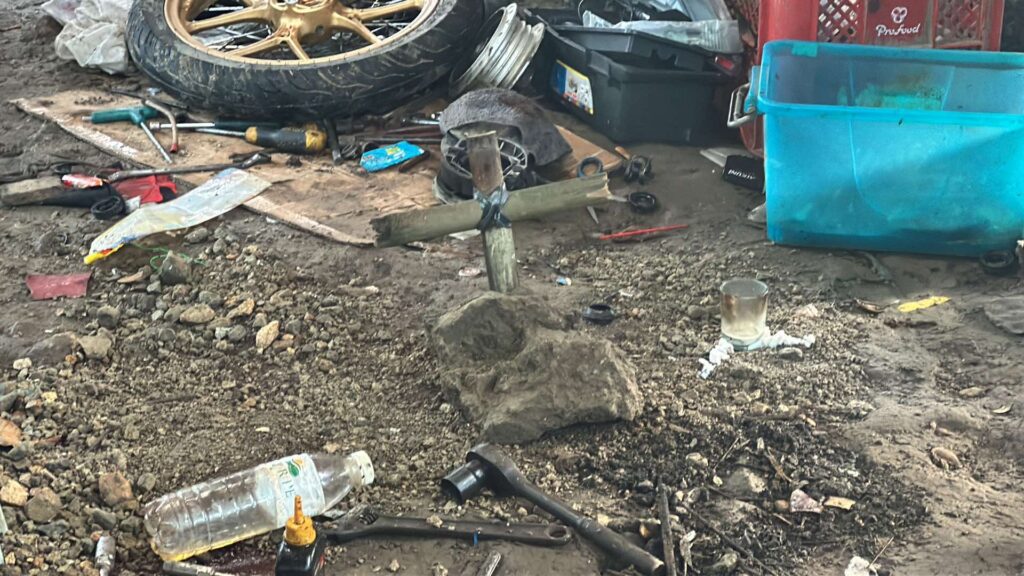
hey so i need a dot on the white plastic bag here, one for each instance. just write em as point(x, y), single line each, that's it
point(95, 37)
point(715, 35)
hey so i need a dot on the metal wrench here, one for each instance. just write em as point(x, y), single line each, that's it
point(364, 521)
point(257, 158)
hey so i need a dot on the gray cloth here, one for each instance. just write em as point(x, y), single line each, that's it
point(499, 107)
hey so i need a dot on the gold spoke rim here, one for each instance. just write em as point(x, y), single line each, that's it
point(297, 25)
point(368, 14)
point(256, 13)
point(339, 22)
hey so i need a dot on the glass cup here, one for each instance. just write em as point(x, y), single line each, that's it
point(744, 311)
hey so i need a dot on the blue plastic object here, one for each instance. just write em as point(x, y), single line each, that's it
point(388, 156)
point(875, 148)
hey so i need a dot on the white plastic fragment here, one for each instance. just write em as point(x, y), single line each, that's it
point(860, 567)
point(720, 353)
point(95, 36)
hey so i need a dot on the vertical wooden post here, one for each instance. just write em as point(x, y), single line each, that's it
point(499, 244)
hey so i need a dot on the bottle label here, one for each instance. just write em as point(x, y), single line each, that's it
point(296, 476)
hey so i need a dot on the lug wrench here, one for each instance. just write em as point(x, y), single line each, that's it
point(487, 466)
point(257, 158)
point(364, 522)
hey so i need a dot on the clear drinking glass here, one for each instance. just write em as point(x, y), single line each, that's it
point(744, 311)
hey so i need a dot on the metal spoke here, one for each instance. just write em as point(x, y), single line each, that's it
point(296, 47)
point(257, 47)
point(339, 22)
point(368, 14)
point(256, 13)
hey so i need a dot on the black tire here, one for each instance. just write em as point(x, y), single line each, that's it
point(375, 82)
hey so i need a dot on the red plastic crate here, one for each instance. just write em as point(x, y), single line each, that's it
point(950, 24)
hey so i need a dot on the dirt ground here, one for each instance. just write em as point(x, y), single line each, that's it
point(855, 416)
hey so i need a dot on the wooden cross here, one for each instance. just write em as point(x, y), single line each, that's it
point(499, 244)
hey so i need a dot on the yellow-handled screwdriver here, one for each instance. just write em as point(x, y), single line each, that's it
point(295, 140)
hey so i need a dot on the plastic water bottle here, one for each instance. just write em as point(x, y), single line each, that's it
point(220, 512)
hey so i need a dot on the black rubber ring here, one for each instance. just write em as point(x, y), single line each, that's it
point(643, 202)
point(108, 208)
point(591, 162)
point(599, 314)
point(998, 262)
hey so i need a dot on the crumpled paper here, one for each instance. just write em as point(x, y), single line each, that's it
point(724, 349)
point(95, 36)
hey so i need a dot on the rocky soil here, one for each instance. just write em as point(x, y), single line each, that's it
point(265, 342)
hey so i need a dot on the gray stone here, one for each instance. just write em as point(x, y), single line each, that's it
point(108, 316)
point(146, 482)
point(96, 347)
point(43, 506)
point(54, 349)
point(237, 333)
point(518, 372)
point(198, 235)
point(745, 484)
point(211, 298)
point(175, 270)
point(724, 566)
point(103, 518)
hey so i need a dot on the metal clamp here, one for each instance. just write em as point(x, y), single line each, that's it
point(738, 116)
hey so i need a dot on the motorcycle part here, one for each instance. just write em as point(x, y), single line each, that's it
point(108, 208)
point(297, 60)
point(601, 314)
point(639, 169)
point(487, 466)
point(365, 522)
point(643, 202)
point(502, 55)
point(589, 167)
point(520, 118)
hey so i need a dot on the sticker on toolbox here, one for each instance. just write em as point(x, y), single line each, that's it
point(572, 86)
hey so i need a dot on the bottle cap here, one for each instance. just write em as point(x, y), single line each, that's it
point(362, 460)
point(299, 530)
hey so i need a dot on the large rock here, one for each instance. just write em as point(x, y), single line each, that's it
point(516, 370)
point(54, 349)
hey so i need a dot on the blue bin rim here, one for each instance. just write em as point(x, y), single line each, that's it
point(767, 105)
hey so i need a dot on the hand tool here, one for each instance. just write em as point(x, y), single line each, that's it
point(332, 139)
point(257, 158)
point(170, 118)
point(490, 565)
point(138, 116)
point(235, 125)
point(668, 547)
point(643, 232)
point(364, 521)
point(189, 569)
point(410, 164)
point(293, 140)
point(487, 466)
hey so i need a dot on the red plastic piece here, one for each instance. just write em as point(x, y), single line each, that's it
point(45, 287)
point(148, 188)
point(948, 24)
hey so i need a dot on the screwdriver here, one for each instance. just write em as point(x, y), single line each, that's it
point(138, 116)
point(294, 140)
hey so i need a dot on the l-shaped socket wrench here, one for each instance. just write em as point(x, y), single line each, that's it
point(487, 466)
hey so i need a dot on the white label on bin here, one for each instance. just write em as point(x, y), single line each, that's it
point(572, 86)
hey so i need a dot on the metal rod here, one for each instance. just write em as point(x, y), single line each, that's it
point(152, 138)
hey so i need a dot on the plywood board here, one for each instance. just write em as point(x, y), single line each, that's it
point(335, 202)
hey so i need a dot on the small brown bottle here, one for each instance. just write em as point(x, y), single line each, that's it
point(302, 550)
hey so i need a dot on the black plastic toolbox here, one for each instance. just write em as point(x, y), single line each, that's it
point(630, 86)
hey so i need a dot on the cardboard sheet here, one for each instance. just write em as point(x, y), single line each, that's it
point(335, 202)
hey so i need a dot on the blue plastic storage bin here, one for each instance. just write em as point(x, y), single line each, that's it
point(877, 148)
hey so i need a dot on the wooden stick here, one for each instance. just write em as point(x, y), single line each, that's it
point(499, 242)
point(425, 224)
